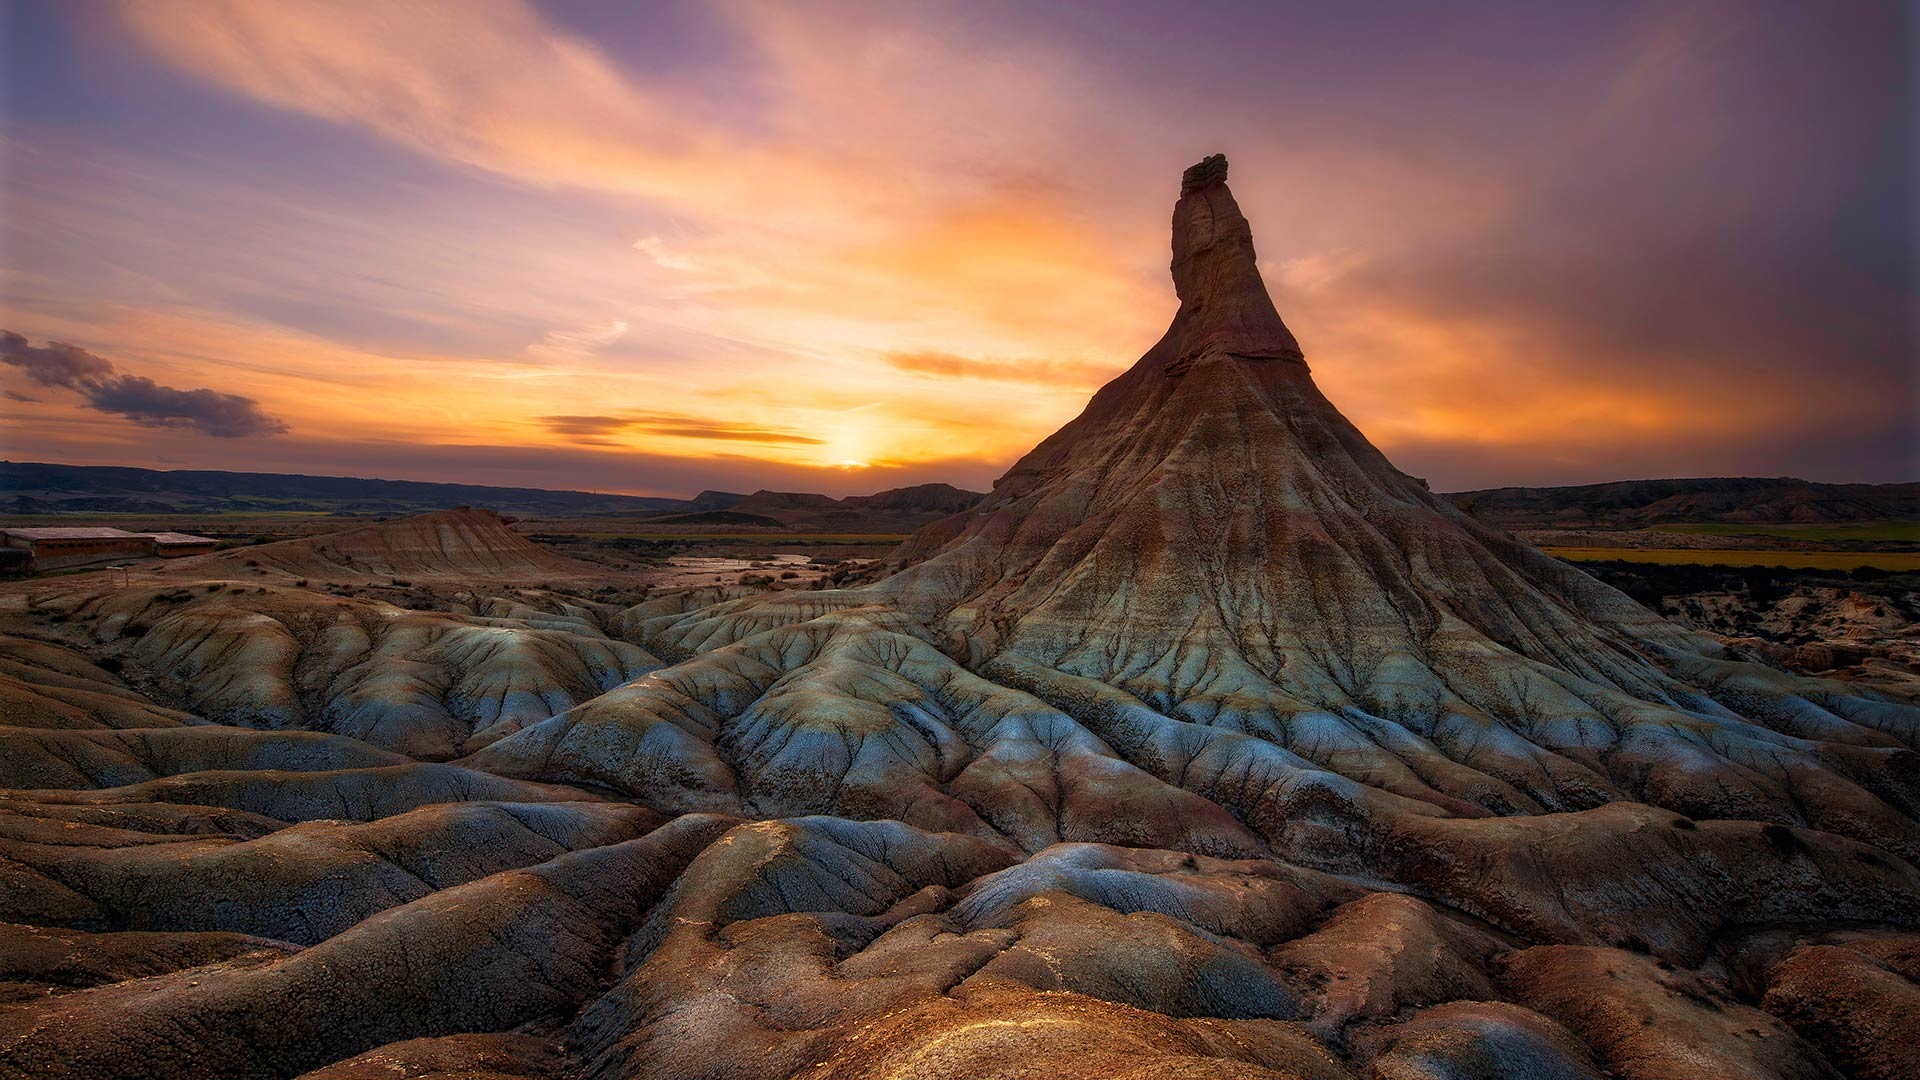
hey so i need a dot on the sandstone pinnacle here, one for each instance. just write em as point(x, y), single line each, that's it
point(1224, 306)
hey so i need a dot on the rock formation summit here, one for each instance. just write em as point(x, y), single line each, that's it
point(1208, 744)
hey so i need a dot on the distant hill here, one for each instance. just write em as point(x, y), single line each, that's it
point(718, 517)
point(35, 488)
point(894, 510)
point(1633, 504)
point(763, 501)
point(921, 498)
point(716, 500)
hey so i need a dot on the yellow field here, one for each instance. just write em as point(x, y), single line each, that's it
point(1797, 560)
point(535, 528)
point(1826, 533)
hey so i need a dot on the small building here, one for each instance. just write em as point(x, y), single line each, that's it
point(53, 548)
point(173, 545)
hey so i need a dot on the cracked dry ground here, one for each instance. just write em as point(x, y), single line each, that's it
point(1208, 745)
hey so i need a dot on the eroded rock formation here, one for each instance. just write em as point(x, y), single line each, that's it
point(1207, 745)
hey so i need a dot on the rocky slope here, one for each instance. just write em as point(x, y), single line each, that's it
point(1207, 745)
point(1864, 628)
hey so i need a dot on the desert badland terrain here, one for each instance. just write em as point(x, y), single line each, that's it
point(1208, 744)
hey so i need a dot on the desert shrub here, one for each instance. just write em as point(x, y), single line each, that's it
point(1763, 584)
point(1783, 839)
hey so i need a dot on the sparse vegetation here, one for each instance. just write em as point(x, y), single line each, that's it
point(1790, 560)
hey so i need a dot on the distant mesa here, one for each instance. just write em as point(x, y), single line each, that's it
point(784, 500)
point(716, 500)
point(895, 510)
point(923, 498)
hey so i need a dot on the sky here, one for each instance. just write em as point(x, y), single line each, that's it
point(661, 247)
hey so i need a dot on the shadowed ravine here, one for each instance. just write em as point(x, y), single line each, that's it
point(1207, 745)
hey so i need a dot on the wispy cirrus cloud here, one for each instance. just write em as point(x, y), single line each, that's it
point(572, 344)
point(494, 85)
point(498, 85)
point(1044, 372)
point(137, 398)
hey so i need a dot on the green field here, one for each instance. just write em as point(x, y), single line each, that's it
point(1794, 560)
point(1865, 531)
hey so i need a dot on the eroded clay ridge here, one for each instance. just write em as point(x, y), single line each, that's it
point(1207, 745)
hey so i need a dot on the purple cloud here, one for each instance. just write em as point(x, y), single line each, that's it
point(136, 397)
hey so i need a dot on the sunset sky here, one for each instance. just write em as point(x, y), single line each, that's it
point(655, 248)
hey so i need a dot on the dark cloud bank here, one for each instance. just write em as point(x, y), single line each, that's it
point(136, 397)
